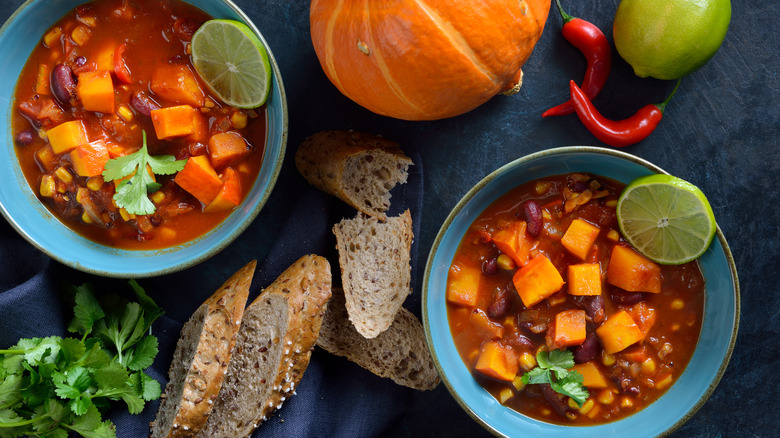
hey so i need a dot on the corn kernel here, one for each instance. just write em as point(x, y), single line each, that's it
point(158, 197)
point(678, 304)
point(63, 174)
point(52, 36)
point(238, 119)
point(80, 35)
point(542, 187)
point(204, 110)
point(518, 383)
point(505, 394)
point(81, 195)
point(527, 361)
point(505, 262)
point(594, 412)
point(613, 235)
point(556, 299)
point(86, 218)
point(546, 412)
point(626, 402)
point(166, 233)
point(189, 49)
point(546, 215)
point(473, 356)
point(663, 383)
point(106, 217)
point(648, 366)
point(587, 406)
point(607, 359)
point(571, 415)
point(47, 186)
point(611, 203)
point(606, 397)
point(43, 134)
point(89, 21)
point(125, 113)
point(209, 103)
point(95, 183)
point(573, 404)
point(62, 190)
point(125, 215)
point(675, 327)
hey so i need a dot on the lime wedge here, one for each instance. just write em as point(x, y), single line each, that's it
point(665, 218)
point(232, 61)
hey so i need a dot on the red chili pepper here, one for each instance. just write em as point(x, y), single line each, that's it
point(618, 133)
point(120, 68)
point(594, 45)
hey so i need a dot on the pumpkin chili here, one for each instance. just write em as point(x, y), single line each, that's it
point(618, 133)
point(590, 40)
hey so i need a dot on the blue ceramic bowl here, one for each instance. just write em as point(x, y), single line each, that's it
point(31, 219)
point(680, 402)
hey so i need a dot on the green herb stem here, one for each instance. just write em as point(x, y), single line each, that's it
point(7, 352)
point(24, 423)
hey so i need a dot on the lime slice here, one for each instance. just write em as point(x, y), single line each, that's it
point(232, 61)
point(665, 218)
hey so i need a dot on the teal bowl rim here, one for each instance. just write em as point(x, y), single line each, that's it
point(459, 207)
point(201, 254)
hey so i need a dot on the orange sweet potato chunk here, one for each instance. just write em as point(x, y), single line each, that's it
point(227, 148)
point(463, 284)
point(537, 280)
point(584, 279)
point(486, 328)
point(644, 317)
point(89, 159)
point(229, 195)
point(618, 332)
point(593, 379)
point(174, 121)
point(177, 83)
point(568, 329)
point(515, 242)
point(199, 179)
point(95, 90)
point(630, 271)
point(579, 238)
point(497, 361)
point(67, 136)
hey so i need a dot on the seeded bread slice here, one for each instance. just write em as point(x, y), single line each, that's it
point(375, 273)
point(201, 358)
point(356, 167)
point(273, 349)
point(399, 353)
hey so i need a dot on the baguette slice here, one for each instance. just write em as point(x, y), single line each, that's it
point(201, 358)
point(358, 168)
point(273, 349)
point(375, 272)
point(399, 353)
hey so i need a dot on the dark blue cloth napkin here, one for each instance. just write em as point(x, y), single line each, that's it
point(336, 398)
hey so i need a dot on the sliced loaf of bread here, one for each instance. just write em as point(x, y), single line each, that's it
point(273, 348)
point(201, 358)
point(399, 353)
point(374, 258)
point(356, 167)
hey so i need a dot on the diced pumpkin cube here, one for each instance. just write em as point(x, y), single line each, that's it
point(463, 285)
point(227, 148)
point(200, 129)
point(497, 361)
point(618, 332)
point(120, 149)
point(105, 57)
point(174, 121)
point(45, 158)
point(229, 195)
point(579, 238)
point(568, 329)
point(199, 179)
point(593, 379)
point(635, 353)
point(80, 35)
point(177, 83)
point(89, 159)
point(486, 328)
point(585, 279)
point(67, 136)
point(537, 280)
point(644, 317)
point(42, 80)
point(515, 242)
point(630, 271)
point(95, 90)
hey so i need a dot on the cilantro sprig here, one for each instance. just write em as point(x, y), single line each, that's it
point(52, 386)
point(132, 193)
point(554, 367)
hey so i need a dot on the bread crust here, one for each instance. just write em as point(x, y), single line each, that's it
point(322, 159)
point(223, 313)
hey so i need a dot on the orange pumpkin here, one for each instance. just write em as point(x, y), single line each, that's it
point(425, 59)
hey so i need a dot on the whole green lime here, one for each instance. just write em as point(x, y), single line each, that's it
point(669, 39)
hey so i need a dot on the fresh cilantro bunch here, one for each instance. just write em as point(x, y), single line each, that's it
point(554, 367)
point(52, 386)
point(132, 193)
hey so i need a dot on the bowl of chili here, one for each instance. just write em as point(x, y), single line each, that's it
point(502, 274)
point(186, 227)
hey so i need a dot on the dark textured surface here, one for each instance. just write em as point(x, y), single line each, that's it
point(719, 132)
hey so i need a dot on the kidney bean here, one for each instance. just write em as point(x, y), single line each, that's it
point(501, 304)
point(521, 341)
point(533, 217)
point(627, 298)
point(557, 401)
point(63, 84)
point(25, 137)
point(593, 306)
point(80, 61)
point(143, 103)
point(588, 350)
point(490, 266)
point(579, 186)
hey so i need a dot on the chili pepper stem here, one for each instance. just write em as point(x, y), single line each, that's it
point(566, 17)
point(662, 105)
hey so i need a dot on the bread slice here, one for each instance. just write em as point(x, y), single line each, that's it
point(399, 353)
point(273, 349)
point(201, 358)
point(375, 273)
point(356, 167)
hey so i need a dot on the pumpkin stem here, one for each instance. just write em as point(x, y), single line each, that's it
point(566, 17)
point(514, 86)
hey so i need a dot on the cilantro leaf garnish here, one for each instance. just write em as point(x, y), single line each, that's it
point(50, 387)
point(554, 367)
point(132, 193)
